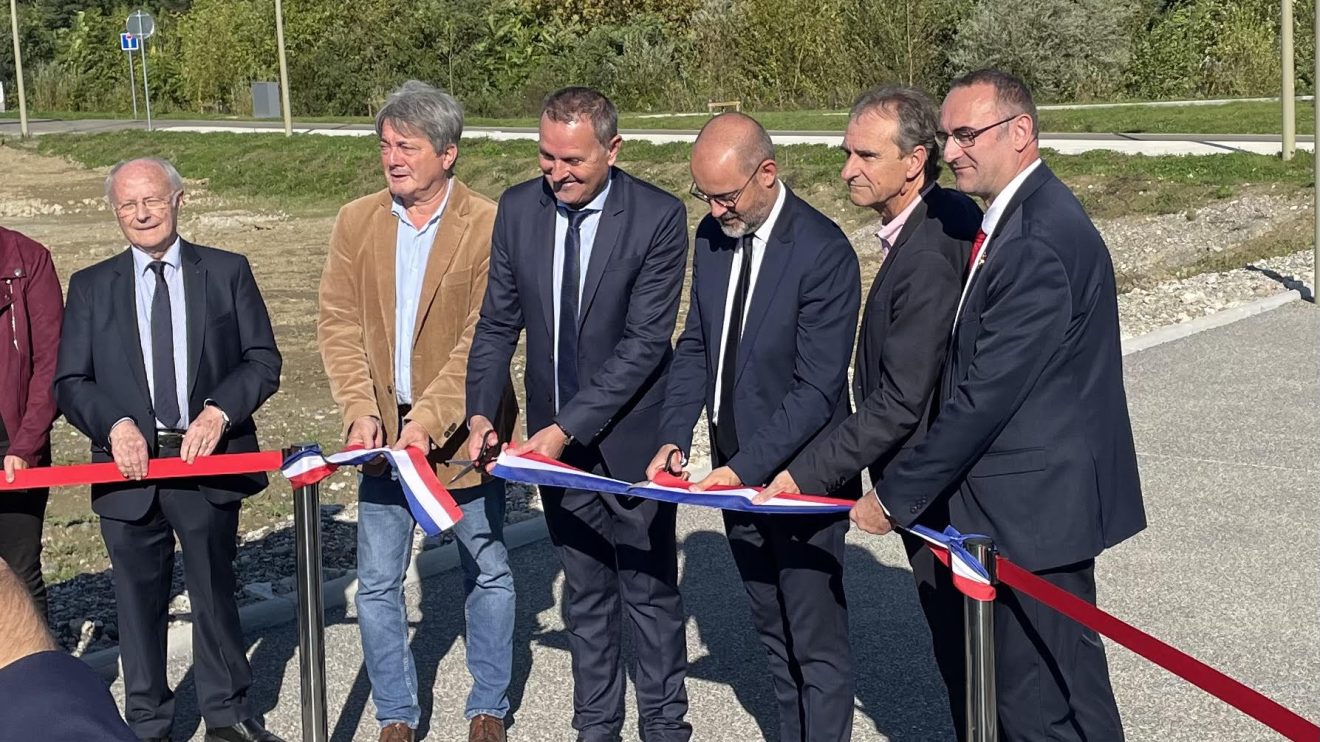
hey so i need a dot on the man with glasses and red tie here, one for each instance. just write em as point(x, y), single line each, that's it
point(167, 351)
point(589, 261)
point(765, 350)
point(1032, 445)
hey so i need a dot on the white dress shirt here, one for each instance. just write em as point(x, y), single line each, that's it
point(412, 250)
point(988, 223)
point(760, 238)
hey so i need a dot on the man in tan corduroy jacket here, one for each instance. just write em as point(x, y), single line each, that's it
point(399, 302)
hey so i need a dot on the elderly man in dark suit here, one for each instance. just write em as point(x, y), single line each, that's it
point(1032, 445)
point(589, 261)
point(925, 236)
point(167, 351)
point(775, 292)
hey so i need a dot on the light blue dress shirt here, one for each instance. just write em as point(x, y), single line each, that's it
point(145, 284)
point(412, 248)
point(587, 231)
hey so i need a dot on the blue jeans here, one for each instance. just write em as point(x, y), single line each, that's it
point(385, 529)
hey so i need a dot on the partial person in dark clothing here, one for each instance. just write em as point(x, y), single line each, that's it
point(47, 694)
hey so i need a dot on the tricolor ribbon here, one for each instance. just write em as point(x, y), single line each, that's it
point(970, 577)
point(533, 468)
point(431, 504)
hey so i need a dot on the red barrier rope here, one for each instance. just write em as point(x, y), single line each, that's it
point(1250, 702)
point(170, 468)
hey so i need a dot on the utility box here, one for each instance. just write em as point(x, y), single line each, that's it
point(265, 100)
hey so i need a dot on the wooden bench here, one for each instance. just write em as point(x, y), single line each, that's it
point(721, 106)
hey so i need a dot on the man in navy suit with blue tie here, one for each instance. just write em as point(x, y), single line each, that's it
point(589, 261)
point(1032, 445)
point(766, 347)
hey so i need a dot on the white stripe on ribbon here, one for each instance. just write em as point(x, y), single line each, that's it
point(431, 504)
point(533, 469)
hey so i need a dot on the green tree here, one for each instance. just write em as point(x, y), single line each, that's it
point(1065, 50)
point(224, 46)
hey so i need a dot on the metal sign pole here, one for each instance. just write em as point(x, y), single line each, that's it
point(132, 83)
point(146, 88)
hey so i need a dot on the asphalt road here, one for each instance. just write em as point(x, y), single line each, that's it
point(1229, 570)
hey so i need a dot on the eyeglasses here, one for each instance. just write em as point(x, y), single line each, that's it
point(727, 200)
point(154, 204)
point(966, 136)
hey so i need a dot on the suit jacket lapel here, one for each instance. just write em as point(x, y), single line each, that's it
point(778, 249)
point(124, 299)
point(543, 257)
point(607, 236)
point(384, 235)
point(910, 227)
point(194, 301)
point(717, 291)
point(453, 225)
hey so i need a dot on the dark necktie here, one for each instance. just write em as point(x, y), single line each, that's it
point(726, 432)
point(568, 307)
point(165, 392)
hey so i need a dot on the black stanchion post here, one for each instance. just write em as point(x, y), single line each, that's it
point(311, 612)
point(979, 620)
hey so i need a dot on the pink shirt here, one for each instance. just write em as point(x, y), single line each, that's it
point(891, 229)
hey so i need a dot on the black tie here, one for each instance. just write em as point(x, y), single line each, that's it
point(568, 307)
point(726, 432)
point(165, 392)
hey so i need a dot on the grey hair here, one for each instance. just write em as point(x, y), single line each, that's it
point(1012, 96)
point(917, 118)
point(569, 105)
point(171, 174)
point(423, 109)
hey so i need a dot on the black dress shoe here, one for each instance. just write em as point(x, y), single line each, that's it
point(248, 730)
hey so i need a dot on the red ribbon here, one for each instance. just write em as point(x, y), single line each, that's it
point(1248, 701)
point(171, 468)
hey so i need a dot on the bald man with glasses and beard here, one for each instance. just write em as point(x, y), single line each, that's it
point(765, 350)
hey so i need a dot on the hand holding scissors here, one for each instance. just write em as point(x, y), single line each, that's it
point(490, 450)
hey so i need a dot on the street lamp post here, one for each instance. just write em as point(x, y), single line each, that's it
point(284, 68)
point(18, 70)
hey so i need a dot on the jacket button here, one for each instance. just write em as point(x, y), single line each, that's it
point(914, 510)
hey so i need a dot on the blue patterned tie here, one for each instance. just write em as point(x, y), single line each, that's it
point(567, 371)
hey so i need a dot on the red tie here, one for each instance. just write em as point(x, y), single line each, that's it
point(976, 249)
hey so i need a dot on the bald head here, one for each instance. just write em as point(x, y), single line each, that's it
point(734, 171)
point(735, 139)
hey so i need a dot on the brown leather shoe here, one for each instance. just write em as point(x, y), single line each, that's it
point(397, 732)
point(484, 728)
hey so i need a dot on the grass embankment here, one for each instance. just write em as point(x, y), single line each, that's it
point(319, 173)
point(1247, 117)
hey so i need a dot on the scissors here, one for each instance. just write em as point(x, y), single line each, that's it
point(674, 463)
point(490, 450)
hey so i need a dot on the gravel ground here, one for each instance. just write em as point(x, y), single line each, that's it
point(83, 609)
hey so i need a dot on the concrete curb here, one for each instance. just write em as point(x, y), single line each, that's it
point(1170, 333)
point(335, 593)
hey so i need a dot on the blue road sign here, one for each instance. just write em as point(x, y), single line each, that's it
point(128, 42)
